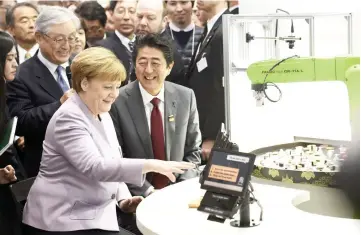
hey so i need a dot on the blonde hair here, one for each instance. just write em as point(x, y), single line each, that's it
point(99, 63)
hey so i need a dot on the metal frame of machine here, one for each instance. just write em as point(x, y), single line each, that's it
point(272, 49)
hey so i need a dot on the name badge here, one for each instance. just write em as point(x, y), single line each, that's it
point(202, 64)
point(171, 118)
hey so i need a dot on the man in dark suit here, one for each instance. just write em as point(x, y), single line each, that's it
point(41, 84)
point(20, 21)
point(121, 42)
point(205, 74)
point(154, 118)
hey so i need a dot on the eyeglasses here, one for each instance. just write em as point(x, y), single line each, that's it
point(61, 40)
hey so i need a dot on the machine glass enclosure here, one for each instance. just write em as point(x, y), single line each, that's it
point(305, 109)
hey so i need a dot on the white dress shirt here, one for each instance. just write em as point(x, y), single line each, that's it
point(148, 106)
point(212, 21)
point(173, 27)
point(52, 68)
point(234, 7)
point(125, 41)
point(22, 52)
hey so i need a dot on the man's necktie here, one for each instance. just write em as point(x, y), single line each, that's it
point(27, 55)
point(204, 34)
point(63, 85)
point(131, 67)
point(131, 46)
point(159, 181)
point(201, 40)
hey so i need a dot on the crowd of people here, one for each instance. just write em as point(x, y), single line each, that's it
point(113, 103)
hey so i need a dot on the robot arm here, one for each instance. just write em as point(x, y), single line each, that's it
point(346, 69)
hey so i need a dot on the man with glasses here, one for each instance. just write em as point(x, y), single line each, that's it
point(42, 84)
point(122, 40)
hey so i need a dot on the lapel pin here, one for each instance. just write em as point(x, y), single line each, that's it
point(171, 118)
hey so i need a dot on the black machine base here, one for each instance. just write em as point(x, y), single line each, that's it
point(252, 223)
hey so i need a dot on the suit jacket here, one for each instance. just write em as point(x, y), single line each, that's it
point(78, 184)
point(207, 84)
point(33, 96)
point(182, 135)
point(113, 43)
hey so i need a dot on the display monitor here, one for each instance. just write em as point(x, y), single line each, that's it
point(228, 172)
point(8, 135)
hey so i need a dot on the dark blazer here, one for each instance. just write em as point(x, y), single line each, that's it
point(113, 43)
point(33, 96)
point(207, 84)
point(182, 134)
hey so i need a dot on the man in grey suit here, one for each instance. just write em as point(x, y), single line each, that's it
point(154, 118)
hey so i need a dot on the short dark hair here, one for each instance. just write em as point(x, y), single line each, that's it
point(10, 22)
point(154, 41)
point(92, 10)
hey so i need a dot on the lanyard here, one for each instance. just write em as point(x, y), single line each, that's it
point(194, 30)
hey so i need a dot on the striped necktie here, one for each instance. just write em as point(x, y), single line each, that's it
point(61, 80)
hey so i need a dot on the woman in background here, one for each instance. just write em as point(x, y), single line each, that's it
point(80, 43)
point(8, 66)
point(9, 223)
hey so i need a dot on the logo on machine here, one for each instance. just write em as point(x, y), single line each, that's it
point(237, 158)
point(283, 71)
point(240, 181)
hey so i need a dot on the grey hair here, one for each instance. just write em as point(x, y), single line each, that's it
point(51, 15)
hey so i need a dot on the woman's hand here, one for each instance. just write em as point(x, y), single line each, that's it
point(166, 168)
point(130, 205)
point(7, 175)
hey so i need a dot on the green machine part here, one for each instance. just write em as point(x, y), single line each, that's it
point(346, 69)
point(308, 69)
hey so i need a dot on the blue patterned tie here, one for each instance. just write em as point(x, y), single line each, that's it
point(61, 80)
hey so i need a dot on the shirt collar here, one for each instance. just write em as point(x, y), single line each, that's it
point(125, 41)
point(22, 51)
point(52, 67)
point(173, 27)
point(234, 7)
point(213, 20)
point(31, 51)
point(148, 97)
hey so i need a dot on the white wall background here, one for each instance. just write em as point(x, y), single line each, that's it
point(318, 110)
